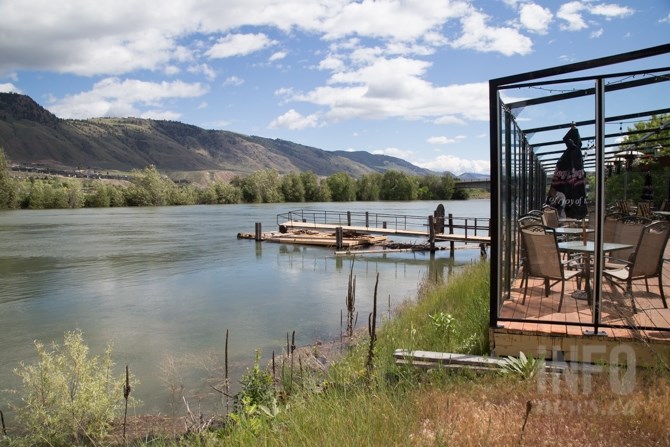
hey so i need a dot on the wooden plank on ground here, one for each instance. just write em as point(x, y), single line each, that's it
point(431, 359)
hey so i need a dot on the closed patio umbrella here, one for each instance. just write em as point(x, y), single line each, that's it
point(647, 189)
point(569, 177)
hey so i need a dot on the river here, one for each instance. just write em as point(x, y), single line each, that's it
point(164, 284)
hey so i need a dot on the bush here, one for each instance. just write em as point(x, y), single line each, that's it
point(68, 397)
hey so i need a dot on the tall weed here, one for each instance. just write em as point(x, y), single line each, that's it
point(68, 397)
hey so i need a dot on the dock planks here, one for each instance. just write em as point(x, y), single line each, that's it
point(465, 238)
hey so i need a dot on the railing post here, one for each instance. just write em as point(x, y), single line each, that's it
point(367, 219)
point(451, 231)
point(349, 218)
point(431, 237)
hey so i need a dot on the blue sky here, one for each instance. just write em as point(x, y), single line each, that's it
point(402, 78)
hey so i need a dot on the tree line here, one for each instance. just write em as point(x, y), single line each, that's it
point(148, 187)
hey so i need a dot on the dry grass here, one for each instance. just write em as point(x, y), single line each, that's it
point(579, 411)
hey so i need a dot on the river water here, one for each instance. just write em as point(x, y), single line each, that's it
point(164, 284)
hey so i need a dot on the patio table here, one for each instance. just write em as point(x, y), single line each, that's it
point(587, 248)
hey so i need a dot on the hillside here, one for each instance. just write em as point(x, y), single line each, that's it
point(31, 134)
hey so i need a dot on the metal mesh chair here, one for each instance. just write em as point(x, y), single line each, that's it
point(543, 260)
point(645, 262)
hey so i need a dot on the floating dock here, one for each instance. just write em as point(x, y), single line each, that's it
point(351, 231)
point(319, 238)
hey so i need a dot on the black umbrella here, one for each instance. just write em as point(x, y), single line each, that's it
point(569, 177)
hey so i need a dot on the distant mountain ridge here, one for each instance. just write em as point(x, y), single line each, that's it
point(31, 134)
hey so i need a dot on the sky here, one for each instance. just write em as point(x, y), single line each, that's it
point(402, 78)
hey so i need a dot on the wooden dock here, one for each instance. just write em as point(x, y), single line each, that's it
point(338, 228)
point(463, 238)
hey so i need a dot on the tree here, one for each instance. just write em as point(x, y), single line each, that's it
point(183, 195)
point(149, 188)
point(628, 181)
point(292, 188)
point(99, 198)
point(310, 184)
point(226, 193)
point(448, 186)
point(342, 187)
point(368, 187)
point(652, 143)
point(260, 187)
point(8, 186)
point(397, 185)
point(430, 187)
point(75, 193)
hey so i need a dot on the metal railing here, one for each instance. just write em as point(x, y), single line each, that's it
point(450, 224)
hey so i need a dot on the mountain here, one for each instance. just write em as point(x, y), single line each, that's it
point(473, 176)
point(30, 134)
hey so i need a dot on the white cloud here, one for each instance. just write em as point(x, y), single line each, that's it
point(279, 55)
point(610, 10)
point(238, 45)
point(205, 69)
point(477, 35)
point(161, 115)
point(571, 13)
point(395, 88)
point(535, 18)
point(331, 63)
point(440, 140)
point(597, 33)
point(233, 80)
point(294, 121)
point(113, 97)
point(9, 88)
point(449, 119)
point(394, 152)
point(456, 165)
point(399, 21)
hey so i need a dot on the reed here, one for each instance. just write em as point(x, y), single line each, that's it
point(351, 300)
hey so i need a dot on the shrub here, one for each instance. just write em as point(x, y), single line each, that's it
point(68, 397)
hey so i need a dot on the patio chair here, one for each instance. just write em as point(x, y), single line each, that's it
point(623, 207)
point(645, 262)
point(643, 209)
point(626, 231)
point(543, 260)
point(524, 222)
point(530, 220)
point(550, 217)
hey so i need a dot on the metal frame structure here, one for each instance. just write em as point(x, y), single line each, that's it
point(523, 158)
